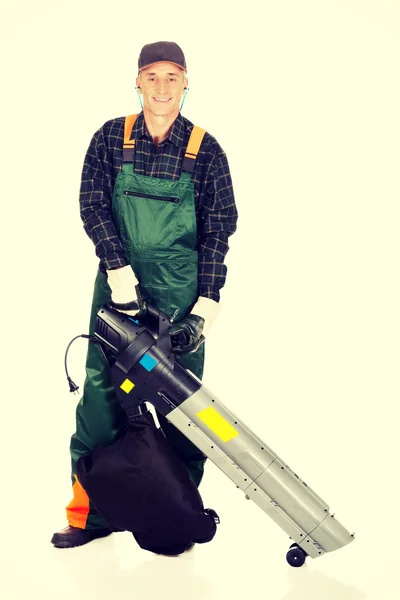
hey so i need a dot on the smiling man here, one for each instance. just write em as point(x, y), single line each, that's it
point(156, 199)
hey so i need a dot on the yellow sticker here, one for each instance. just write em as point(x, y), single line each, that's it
point(127, 386)
point(217, 424)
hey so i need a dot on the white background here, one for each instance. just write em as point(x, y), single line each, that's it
point(304, 98)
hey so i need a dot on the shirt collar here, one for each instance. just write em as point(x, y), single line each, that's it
point(176, 135)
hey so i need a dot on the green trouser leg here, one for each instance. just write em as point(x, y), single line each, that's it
point(99, 415)
point(100, 418)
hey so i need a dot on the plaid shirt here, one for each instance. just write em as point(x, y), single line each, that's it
point(213, 193)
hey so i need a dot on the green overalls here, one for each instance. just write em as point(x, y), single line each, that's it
point(156, 223)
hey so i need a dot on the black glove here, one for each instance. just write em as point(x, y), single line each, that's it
point(186, 336)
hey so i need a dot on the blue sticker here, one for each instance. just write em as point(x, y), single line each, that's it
point(148, 362)
point(134, 320)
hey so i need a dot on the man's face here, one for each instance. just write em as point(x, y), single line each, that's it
point(161, 85)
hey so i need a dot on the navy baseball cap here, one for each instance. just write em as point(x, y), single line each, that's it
point(161, 52)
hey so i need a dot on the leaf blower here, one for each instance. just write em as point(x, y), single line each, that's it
point(139, 484)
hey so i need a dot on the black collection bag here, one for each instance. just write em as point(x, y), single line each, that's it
point(139, 484)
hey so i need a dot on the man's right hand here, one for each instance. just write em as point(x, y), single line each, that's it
point(125, 293)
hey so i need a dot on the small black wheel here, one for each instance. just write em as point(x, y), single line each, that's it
point(296, 556)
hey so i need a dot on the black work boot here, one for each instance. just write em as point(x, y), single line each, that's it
point(175, 552)
point(74, 536)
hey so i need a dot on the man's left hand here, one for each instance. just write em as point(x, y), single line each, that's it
point(194, 328)
point(188, 332)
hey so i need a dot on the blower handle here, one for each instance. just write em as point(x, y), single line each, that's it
point(158, 323)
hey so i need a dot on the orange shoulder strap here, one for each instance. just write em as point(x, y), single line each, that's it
point(129, 145)
point(193, 148)
point(129, 123)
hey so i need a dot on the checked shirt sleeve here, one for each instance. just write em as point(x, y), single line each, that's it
point(95, 204)
point(218, 222)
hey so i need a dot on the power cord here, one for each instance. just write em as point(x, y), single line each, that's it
point(72, 385)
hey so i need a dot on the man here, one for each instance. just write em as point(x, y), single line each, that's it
point(159, 210)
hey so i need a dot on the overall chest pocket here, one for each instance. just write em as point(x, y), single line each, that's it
point(151, 196)
point(150, 221)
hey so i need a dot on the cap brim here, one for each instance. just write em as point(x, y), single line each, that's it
point(161, 61)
